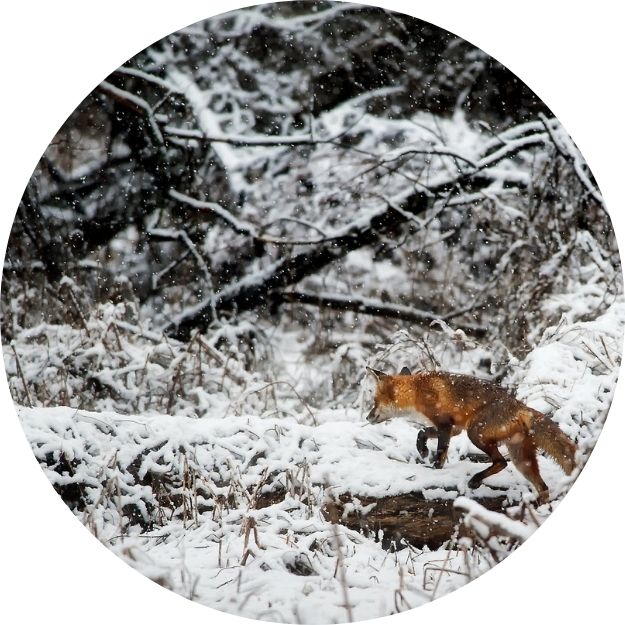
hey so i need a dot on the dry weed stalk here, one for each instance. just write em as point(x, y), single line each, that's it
point(331, 507)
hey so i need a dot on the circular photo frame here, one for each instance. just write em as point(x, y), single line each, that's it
point(312, 312)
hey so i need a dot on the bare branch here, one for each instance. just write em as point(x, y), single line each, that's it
point(246, 229)
point(135, 103)
point(434, 150)
point(212, 207)
point(157, 277)
point(374, 307)
point(302, 222)
point(183, 237)
point(209, 131)
point(147, 77)
point(570, 154)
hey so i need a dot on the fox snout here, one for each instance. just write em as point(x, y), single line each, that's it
point(377, 415)
point(373, 416)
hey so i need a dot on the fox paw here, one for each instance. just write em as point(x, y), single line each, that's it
point(543, 497)
point(474, 482)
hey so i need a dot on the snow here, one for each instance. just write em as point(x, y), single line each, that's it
point(484, 520)
point(205, 555)
point(193, 540)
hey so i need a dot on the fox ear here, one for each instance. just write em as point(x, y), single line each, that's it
point(405, 371)
point(378, 375)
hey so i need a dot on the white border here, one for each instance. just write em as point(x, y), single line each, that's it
point(54, 53)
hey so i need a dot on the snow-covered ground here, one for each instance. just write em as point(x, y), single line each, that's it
point(217, 465)
point(177, 496)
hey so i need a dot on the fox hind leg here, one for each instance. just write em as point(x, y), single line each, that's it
point(499, 463)
point(523, 455)
point(478, 437)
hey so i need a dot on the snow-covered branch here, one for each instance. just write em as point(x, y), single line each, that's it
point(568, 150)
point(212, 207)
point(487, 522)
point(235, 140)
point(255, 290)
point(147, 77)
point(135, 103)
point(166, 234)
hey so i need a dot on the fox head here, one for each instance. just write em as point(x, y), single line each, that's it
point(385, 397)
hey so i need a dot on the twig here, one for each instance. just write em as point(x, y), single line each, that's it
point(275, 383)
point(21, 374)
point(135, 103)
point(151, 78)
point(183, 237)
point(567, 155)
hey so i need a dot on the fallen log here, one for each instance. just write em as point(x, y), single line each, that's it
point(411, 518)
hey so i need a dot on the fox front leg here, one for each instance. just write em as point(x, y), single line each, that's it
point(422, 439)
point(444, 434)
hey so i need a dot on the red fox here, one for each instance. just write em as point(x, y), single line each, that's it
point(447, 403)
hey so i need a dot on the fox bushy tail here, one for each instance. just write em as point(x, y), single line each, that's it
point(553, 441)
